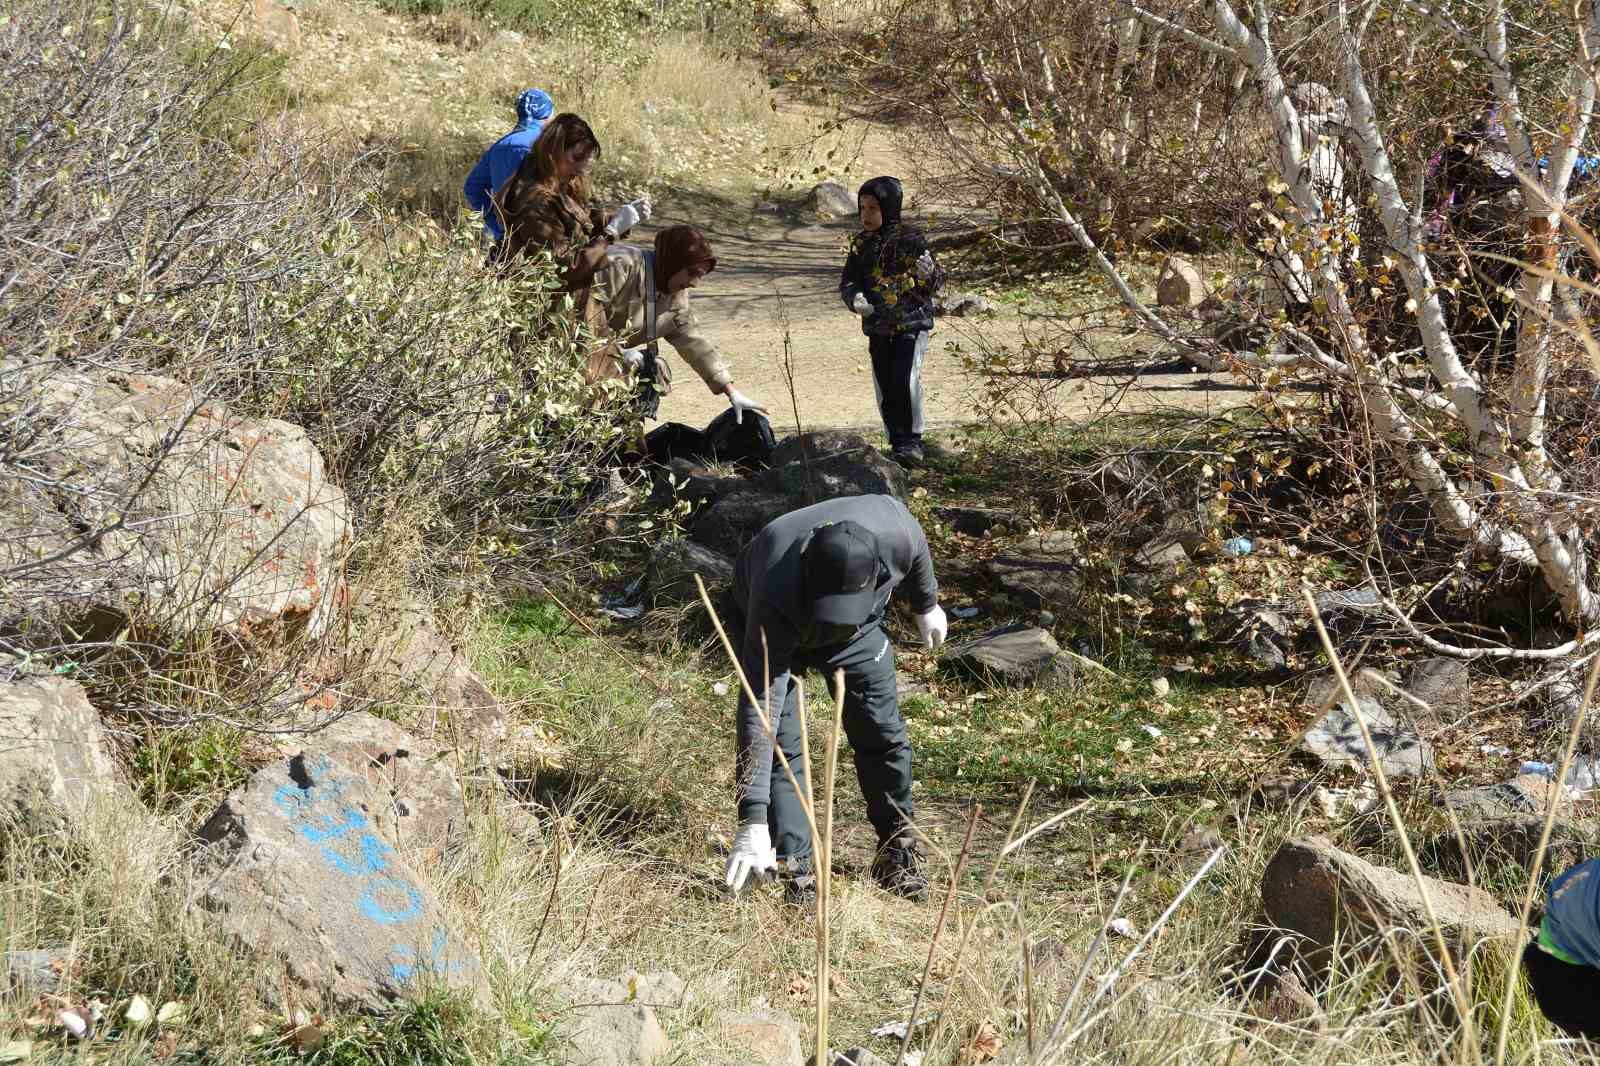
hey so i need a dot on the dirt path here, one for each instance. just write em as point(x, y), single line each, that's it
point(779, 271)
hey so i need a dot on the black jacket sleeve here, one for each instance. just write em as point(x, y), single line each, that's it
point(854, 278)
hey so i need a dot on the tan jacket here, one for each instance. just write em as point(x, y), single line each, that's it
point(619, 288)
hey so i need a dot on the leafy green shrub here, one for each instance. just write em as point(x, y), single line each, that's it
point(160, 224)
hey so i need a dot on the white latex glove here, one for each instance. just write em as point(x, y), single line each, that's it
point(932, 626)
point(861, 305)
point(634, 357)
point(752, 855)
point(642, 206)
point(742, 403)
point(625, 218)
point(925, 267)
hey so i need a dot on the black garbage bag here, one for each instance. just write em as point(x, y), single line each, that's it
point(748, 444)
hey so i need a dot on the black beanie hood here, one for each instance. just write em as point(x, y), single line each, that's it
point(887, 192)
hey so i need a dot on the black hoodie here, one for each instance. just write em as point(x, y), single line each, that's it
point(882, 267)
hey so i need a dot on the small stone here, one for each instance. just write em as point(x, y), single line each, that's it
point(1161, 553)
point(1123, 927)
point(1014, 655)
point(1336, 741)
point(963, 305)
point(1180, 284)
point(976, 521)
point(770, 1037)
point(829, 199)
point(856, 1056)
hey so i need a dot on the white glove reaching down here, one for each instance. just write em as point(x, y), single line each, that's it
point(752, 855)
point(925, 267)
point(933, 627)
point(634, 357)
point(861, 305)
point(628, 216)
point(742, 403)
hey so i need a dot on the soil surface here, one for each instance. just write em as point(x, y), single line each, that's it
point(777, 281)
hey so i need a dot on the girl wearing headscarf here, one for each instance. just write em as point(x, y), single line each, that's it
point(681, 257)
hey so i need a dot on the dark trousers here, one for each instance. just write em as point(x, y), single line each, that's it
point(897, 377)
point(874, 727)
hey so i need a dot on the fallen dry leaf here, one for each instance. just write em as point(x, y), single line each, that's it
point(983, 1045)
point(798, 986)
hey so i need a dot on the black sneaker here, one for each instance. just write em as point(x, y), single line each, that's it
point(898, 869)
point(909, 455)
point(799, 882)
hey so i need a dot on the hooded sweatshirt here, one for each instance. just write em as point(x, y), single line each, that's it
point(769, 589)
point(500, 160)
point(882, 267)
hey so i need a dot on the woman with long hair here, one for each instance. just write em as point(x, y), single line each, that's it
point(545, 204)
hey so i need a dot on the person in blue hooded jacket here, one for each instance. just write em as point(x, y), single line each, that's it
point(501, 159)
point(1563, 961)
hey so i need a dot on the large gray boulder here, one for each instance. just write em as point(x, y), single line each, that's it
point(1487, 846)
point(733, 521)
point(196, 516)
point(1445, 685)
point(54, 762)
point(1335, 739)
point(674, 564)
point(1328, 896)
point(300, 866)
point(418, 802)
point(816, 444)
point(1523, 794)
point(858, 472)
point(806, 470)
point(1014, 654)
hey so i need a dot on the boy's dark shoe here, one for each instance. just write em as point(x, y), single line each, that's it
point(898, 869)
point(909, 455)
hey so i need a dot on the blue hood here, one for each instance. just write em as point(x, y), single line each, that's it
point(533, 106)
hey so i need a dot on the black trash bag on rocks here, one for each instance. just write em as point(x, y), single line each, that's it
point(746, 443)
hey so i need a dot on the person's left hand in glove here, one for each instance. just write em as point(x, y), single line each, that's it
point(628, 216)
point(925, 267)
point(933, 627)
point(634, 357)
point(861, 305)
point(741, 403)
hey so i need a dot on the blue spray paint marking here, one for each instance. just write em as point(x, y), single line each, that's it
point(438, 963)
point(378, 900)
point(373, 858)
point(374, 909)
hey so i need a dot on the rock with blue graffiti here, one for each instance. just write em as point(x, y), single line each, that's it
point(417, 800)
point(297, 868)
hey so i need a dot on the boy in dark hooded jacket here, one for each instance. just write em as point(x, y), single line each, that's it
point(889, 280)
